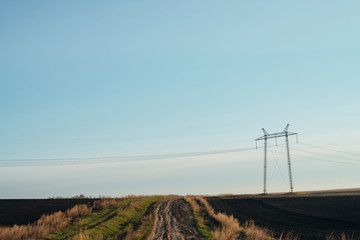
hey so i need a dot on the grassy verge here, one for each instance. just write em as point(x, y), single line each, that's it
point(129, 218)
point(219, 226)
point(203, 224)
point(45, 225)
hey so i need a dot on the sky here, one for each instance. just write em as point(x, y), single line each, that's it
point(91, 79)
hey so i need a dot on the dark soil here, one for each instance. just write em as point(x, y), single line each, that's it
point(307, 217)
point(30, 210)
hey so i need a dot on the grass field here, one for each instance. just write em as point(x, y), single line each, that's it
point(220, 226)
point(125, 218)
point(132, 217)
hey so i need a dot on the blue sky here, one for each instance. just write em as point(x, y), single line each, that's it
point(115, 78)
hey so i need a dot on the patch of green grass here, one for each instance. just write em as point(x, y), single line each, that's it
point(202, 225)
point(203, 228)
point(129, 215)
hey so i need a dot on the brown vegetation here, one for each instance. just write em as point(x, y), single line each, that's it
point(230, 227)
point(227, 227)
point(105, 203)
point(45, 225)
point(26, 211)
point(122, 218)
point(58, 221)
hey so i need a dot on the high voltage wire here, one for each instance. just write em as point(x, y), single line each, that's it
point(329, 149)
point(87, 160)
point(325, 154)
point(319, 159)
point(326, 160)
point(62, 161)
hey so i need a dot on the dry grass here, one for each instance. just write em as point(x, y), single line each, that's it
point(198, 212)
point(230, 228)
point(78, 211)
point(343, 236)
point(105, 203)
point(51, 223)
point(129, 218)
point(193, 203)
point(45, 225)
point(254, 232)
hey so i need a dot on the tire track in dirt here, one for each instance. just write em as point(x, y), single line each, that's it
point(174, 221)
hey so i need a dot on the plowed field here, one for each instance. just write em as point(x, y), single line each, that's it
point(310, 217)
point(17, 211)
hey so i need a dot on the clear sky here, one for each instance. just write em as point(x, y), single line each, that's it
point(116, 78)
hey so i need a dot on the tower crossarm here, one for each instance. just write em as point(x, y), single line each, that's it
point(275, 135)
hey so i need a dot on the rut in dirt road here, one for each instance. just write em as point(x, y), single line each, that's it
point(174, 220)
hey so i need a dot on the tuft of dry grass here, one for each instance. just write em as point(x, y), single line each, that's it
point(78, 211)
point(342, 236)
point(105, 203)
point(254, 232)
point(230, 226)
point(289, 236)
point(193, 203)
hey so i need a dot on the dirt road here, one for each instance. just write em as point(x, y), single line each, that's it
point(174, 220)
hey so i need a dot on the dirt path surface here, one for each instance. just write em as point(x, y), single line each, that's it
point(174, 220)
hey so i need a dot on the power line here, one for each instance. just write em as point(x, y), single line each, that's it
point(329, 149)
point(320, 159)
point(135, 158)
point(324, 154)
point(61, 161)
point(326, 160)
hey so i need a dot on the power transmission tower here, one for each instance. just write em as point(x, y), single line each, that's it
point(267, 136)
